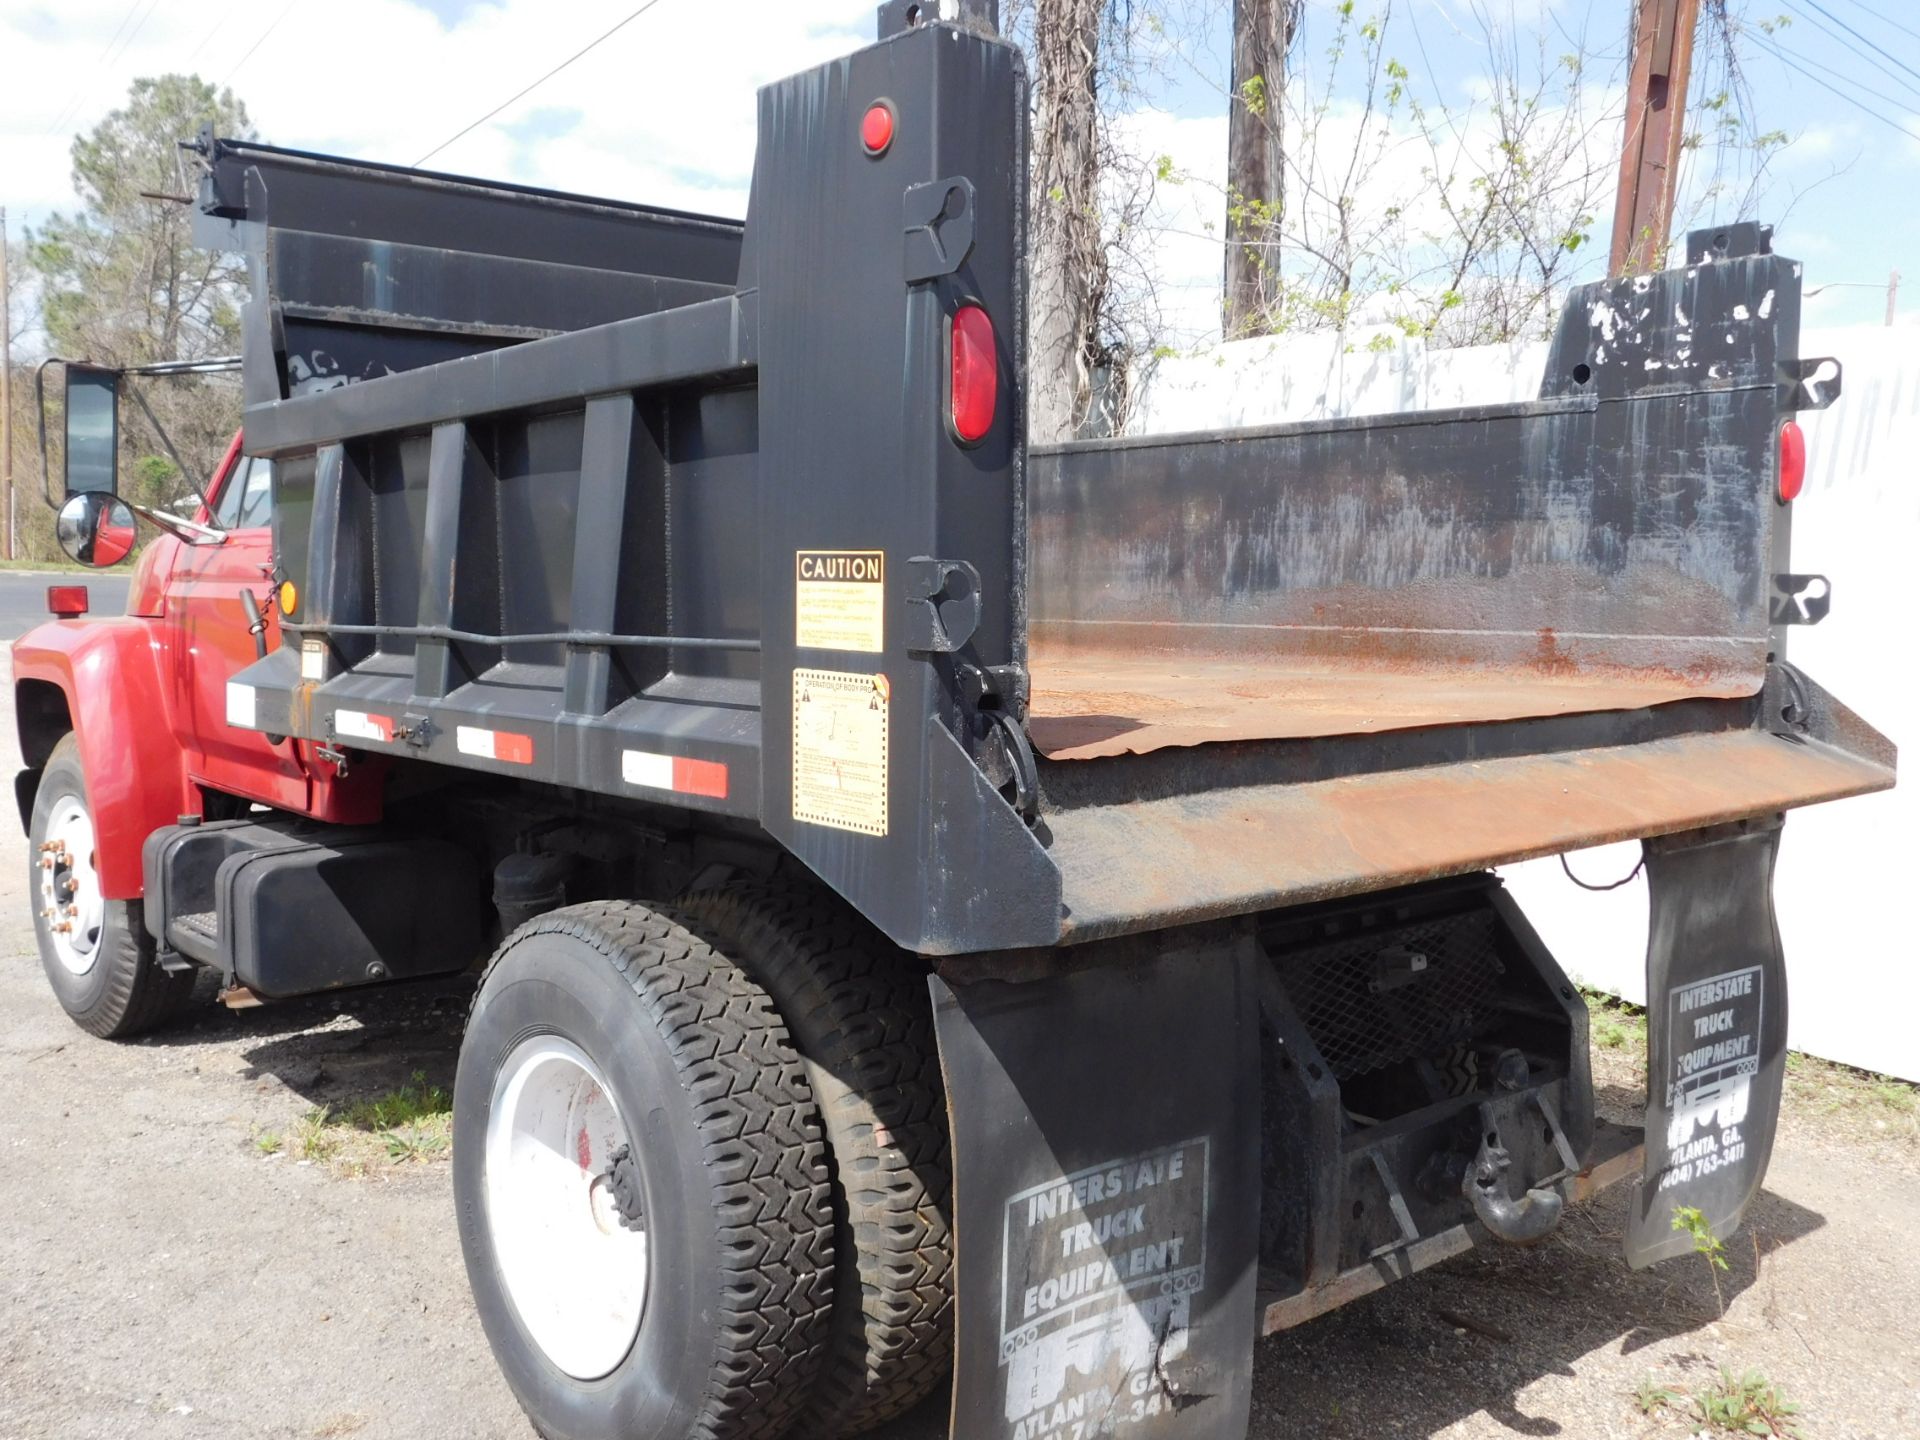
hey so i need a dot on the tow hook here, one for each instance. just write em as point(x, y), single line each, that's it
point(1524, 1221)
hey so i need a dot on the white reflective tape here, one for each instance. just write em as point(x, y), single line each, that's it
point(642, 767)
point(240, 706)
point(506, 746)
point(358, 725)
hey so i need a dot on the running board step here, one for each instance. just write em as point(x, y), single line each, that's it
point(196, 936)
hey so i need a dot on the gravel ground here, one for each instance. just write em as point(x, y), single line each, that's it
point(160, 1276)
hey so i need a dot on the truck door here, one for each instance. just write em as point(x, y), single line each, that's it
point(212, 598)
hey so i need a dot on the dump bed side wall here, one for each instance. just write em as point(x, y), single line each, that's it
point(1608, 546)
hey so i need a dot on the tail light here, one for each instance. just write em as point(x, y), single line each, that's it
point(67, 601)
point(1793, 461)
point(975, 388)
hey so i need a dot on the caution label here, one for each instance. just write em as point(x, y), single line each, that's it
point(840, 600)
point(840, 749)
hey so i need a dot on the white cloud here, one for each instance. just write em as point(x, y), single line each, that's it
point(665, 107)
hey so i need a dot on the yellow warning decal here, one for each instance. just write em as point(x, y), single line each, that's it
point(839, 600)
point(840, 750)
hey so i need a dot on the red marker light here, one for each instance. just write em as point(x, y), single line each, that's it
point(1793, 461)
point(976, 375)
point(67, 601)
point(876, 128)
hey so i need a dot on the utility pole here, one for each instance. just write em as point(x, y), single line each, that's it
point(6, 384)
point(1893, 293)
point(1656, 125)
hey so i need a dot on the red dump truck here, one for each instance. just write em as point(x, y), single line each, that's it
point(954, 906)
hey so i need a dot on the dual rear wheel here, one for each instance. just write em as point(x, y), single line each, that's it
point(700, 1167)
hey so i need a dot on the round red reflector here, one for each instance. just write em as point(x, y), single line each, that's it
point(876, 129)
point(976, 374)
point(1793, 461)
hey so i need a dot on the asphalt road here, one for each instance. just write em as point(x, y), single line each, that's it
point(23, 596)
point(160, 1277)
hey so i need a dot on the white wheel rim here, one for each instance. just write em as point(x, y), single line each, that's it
point(575, 1273)
point(71, 905)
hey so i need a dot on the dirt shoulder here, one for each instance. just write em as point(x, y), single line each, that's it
point(243, 1229)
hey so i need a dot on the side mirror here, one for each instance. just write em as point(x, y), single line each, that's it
point(95, 528)
point(93, 429)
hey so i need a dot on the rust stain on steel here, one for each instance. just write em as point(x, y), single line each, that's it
point(1136, 866)
point(1087, 705)
point(1509, 561)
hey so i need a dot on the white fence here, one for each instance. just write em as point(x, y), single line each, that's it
point(1853, 949)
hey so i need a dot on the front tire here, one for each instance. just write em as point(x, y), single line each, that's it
point(641, 1184)
point(97, 953)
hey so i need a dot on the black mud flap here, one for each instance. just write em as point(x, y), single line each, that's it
point(1716, 1033)
point(1106, 1158)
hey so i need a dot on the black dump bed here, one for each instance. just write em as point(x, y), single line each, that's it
point(671, 509)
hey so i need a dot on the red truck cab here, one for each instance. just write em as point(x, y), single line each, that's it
point(123, 724)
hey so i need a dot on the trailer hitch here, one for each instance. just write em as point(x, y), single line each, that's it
point(1522, 1220)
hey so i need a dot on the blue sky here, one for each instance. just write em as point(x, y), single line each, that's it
point(663, 111)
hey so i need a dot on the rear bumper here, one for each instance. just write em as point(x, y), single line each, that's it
point(1617, 1155)
point(1457, 799)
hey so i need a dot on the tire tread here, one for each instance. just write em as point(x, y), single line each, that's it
point(860, 1014)
point(763, 1152)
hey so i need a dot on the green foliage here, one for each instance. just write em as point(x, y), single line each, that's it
point(1746, 1404)
point(412, 1103)
point(1652, 1396)
point(122, 283)
point(1689, 1220)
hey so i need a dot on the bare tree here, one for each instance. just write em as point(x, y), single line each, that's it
point(1263, 33)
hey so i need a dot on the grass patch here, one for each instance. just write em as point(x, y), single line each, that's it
point(63, 567)
point(1852, 1102)
point(1744, 1404)
point(409, 1125)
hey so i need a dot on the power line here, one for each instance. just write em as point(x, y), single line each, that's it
point(1793, 64)
point(1886, 19)
point(519, 94)
point(1863, 39)
point(212, 30)
point(1853, 50)
point(133, 34)
point(80, 94)
point(1840, 75)
point(257, 44)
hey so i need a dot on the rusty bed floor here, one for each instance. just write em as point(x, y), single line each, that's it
point(1088, 704)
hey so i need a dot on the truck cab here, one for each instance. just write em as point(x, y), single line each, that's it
point(132, 711)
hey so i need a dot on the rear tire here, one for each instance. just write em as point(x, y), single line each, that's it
point(862, 1021)
point(101, 964)
point(605, 1028)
